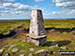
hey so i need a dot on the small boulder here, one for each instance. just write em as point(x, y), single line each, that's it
point(30, 54)
point(54, 52)
point(41, 51)
point(51, 47)
point(31, 49)
point(63, 47)
point(7, 54)
point(57, 45)
point(15, 50)
point(22, 51)
point(24, 40)
point(21, 54)
point(1, 50)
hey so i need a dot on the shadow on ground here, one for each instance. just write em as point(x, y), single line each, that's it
point(60, 29)
point(60, 43)
point(12, 33)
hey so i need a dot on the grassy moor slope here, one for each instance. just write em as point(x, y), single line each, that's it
point(60, 37)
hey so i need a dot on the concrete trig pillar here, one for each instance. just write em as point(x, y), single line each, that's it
point(37, 34)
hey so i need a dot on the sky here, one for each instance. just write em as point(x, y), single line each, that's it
point(21, 9)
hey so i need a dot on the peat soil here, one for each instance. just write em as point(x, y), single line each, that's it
point(61, 29)
point(22, 29)
point(13, 34)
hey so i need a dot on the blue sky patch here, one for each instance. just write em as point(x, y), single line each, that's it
point(52, 9)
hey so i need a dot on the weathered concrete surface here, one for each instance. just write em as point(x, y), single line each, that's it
point(37, 34)
point(36, 24)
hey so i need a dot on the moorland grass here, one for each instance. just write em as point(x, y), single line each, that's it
point(52, 35)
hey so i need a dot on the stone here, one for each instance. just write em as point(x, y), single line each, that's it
point(15, 50)
point(37, 34)
point(54, 52)
point(1, 50)
point(41, 51)
point(11, 46)
point(57, 45)
point(51, 47)
point(21, 54)
point(24, 40)
point(38, 42)
point(7, 54)
point(63, 47)
point(22, 51)
point(31, 49)
point(30, 54)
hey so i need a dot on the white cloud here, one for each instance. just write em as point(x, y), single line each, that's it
point(68, 9)
point(61, 14)
point(16, 10)
point(7, 0)
point(17, 6)
point(68, 4)
point(14, 15)
point(62, 0)
point(38, 0)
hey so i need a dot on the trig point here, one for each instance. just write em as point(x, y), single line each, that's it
point(37, 34)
